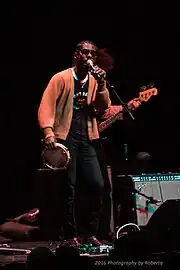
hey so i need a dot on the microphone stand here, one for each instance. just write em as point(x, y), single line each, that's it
point(123, 104)
point(126, 109)
point(132, 204)
point(150, 198)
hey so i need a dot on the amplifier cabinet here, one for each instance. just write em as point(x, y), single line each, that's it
point(161, 187)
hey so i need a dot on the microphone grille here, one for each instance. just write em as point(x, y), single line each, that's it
point(90, 62)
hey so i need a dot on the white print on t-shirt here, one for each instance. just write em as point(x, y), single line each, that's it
point(80, 100)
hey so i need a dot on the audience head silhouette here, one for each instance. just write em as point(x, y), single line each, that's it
point(40, 258)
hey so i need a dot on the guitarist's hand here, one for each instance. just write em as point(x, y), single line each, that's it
point(135, 102)
point(112, 110)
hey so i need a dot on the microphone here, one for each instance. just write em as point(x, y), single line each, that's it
point(153, 201)
point(92, 69)
point(150, 199)
point(90, 64)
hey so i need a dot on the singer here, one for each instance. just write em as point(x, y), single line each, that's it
point(67, 115)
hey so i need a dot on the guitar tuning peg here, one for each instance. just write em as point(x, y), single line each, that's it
point(150, 85)
point(143, 88)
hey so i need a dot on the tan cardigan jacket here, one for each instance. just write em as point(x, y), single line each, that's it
point(56, 107)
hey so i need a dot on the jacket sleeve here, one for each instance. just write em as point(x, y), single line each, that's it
point(102, 100)
point(47, 108)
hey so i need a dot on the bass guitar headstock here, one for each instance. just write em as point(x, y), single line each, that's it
point(147, 92)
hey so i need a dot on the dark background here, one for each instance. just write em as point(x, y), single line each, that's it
point(39, 40)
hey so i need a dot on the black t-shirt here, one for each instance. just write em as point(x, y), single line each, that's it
point(78, 129)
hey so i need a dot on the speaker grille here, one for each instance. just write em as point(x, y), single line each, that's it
point(159, 190)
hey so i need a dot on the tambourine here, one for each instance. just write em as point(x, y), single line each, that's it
point(57, 158)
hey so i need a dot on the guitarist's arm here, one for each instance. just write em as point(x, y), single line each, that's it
point(112, 110)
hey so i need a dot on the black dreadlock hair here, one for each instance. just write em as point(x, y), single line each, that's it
point(81, 43)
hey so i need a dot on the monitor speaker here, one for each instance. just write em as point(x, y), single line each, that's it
point(164, 224)
point(161, 234)
point(166, 217)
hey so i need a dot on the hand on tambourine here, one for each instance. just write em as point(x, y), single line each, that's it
point(135, 102)
point(50, 142)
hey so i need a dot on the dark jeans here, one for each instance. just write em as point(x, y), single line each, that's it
point(104, 226)
point(83, 162)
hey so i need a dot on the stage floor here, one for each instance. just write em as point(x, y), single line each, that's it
point(17, 252)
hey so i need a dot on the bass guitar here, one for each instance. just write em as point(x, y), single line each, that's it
point(144, 96)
